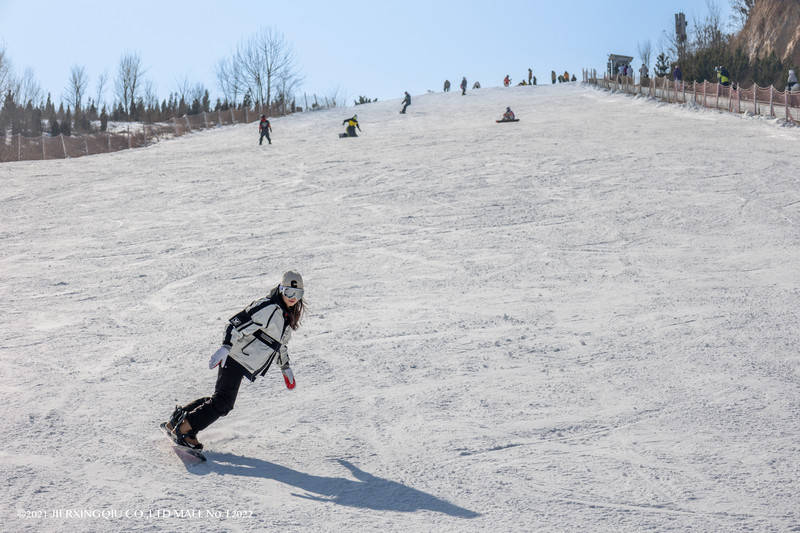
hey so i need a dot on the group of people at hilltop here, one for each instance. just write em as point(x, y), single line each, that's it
point(562, 78)
point(463, 85)
point(531, 80)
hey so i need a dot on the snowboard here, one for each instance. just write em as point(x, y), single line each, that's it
point(500, 121)
point(191, 451)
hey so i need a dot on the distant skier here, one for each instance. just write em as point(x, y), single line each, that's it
point(530, 76)
point(264, 128)
point(723, 78)
point(352, 124)
point(253, 339)
point(476, 85)
point(406, 102)
point(506, 81)
point(553, 76)
point(447, 86)
point(463, 86)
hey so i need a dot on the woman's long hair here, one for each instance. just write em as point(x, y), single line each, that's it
point(294, 313)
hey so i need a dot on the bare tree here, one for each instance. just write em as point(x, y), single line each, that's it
point(263, 61)
point(76, 87)
point(182, 88)
point(25, 89)
point(102, 81)
point(196, 92)
point(6, 72)
point(741, 11)
point(230, 80)
point(709, 33)
point(645, 50)
point(129, 80)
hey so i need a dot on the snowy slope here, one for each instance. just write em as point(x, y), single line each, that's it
point(587, 320)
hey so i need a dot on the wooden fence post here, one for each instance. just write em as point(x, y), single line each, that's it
point(738, 100)
point(786, 102)
point(188, 126)
point(205, 119)
point(233, 117)
point(42, 146)
point(86, 145)
point(19, 147)
point(755, 98)
point(63, 144)
point(771, 95)
point(108, 138)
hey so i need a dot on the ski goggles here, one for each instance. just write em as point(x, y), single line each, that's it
point(291, 292)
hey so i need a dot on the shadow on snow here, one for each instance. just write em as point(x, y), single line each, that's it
point(369, 492)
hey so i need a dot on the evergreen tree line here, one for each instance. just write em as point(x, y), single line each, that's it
point(32, 120)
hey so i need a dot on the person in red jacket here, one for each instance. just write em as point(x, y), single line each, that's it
point(264, 128)
point(507, 81)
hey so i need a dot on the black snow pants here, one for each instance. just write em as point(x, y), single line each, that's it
point(205, 411)
point(264, 133)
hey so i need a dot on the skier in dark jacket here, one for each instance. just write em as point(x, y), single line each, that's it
point(463, 86)
point(406, 102)
point(264, 128)
point(352, 124)
point(254, 338)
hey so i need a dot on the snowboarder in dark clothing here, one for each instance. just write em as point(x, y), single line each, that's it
point(406, 102)
point(352, 124)
point(463, 86)
point(253, 339)
point(264, 128)
point(446, 86)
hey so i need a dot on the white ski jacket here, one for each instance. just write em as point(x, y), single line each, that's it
point(257, 335)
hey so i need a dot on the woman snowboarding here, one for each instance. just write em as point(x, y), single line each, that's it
point(352, 124)
point(253, 338)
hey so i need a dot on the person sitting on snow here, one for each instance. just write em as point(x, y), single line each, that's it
point(352, 124)
point(508, 116)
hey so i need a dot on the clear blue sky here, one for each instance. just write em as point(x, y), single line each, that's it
point(371, 48)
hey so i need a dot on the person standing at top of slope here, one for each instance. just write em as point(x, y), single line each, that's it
point(446, 86)
point(352, 124)
point(406, 102)
point(253, 339)
point(530, 76)
point(463, 86)
point(264, 128)
point(506, 81)
point(553, 76)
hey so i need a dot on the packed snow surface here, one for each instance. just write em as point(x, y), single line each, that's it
point(584, 321)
